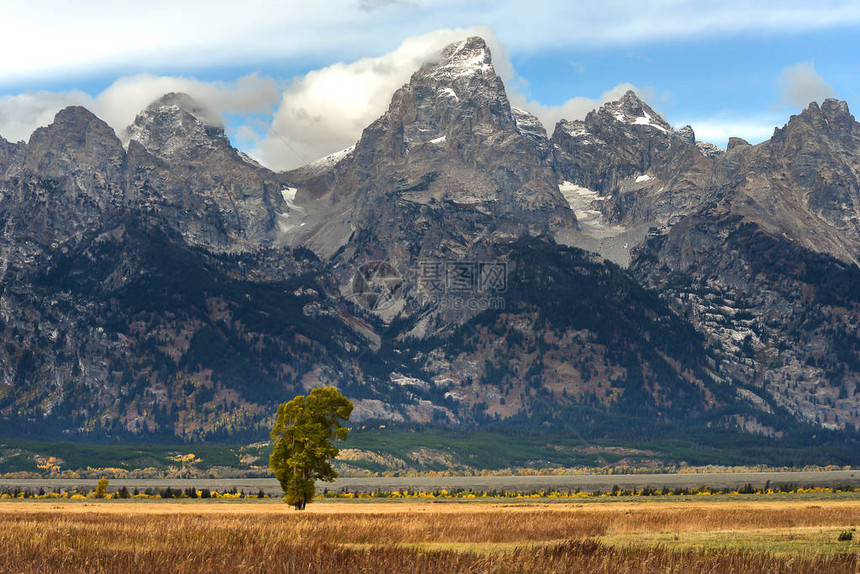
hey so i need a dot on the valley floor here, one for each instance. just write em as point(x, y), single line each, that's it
point(750, 535)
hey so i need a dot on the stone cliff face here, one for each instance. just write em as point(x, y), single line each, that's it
point(447, 174)
point(734, 237)
point(119, 274)
point(10, 154)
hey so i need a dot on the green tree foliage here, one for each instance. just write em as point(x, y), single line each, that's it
point(303, 435)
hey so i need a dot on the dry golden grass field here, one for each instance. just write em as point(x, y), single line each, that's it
point(266, 536)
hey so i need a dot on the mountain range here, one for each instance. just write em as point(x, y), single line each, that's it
point(457, 267)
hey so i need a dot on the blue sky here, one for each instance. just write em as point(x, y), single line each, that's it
point(295, 80)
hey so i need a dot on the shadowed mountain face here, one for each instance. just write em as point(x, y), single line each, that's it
point(178, 289)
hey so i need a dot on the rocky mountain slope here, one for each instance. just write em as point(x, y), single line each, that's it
point(182, 168)
point(454, 267)
point(648, 173)
point(768, 266)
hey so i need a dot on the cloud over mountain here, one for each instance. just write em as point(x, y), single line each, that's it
point(802, 84)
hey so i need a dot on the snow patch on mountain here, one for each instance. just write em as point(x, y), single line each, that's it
point(327, 163)
point(289, 195)
point(709, 149)
point(576, 195)
point(575, 129)
point(290, 219)
point(645, 120)
point(332, 158)
point(583, 203)
point(450, 93)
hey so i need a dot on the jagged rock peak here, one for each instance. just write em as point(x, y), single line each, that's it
point(735, 142)
point(573, 128)
point(831, 120)
point(832, 115)
point(77, 140)
point(184, 102)
point(687, 134)
point(629, 109)
point(836, 110)
point(444, 101)
point(527, 122)
point(832, 110)
point(8, 153)
point(75, 119)
point(709, 150)
point(176, 122)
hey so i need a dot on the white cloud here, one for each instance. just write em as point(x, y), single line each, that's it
point(801, 85)
point(105, 36)
point(118, 105)
point(618, 22)
point(370, 5)
point(96, 36)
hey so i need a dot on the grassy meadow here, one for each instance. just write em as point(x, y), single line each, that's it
point(342, 536)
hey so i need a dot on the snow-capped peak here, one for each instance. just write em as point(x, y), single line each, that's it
point(467, 57)
point(574, 129)
point(180, 102)
point(633, 111)
point(331, 159)
point(176, 121)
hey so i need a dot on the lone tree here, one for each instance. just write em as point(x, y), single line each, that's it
point(303, 435)
point(101, 487)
